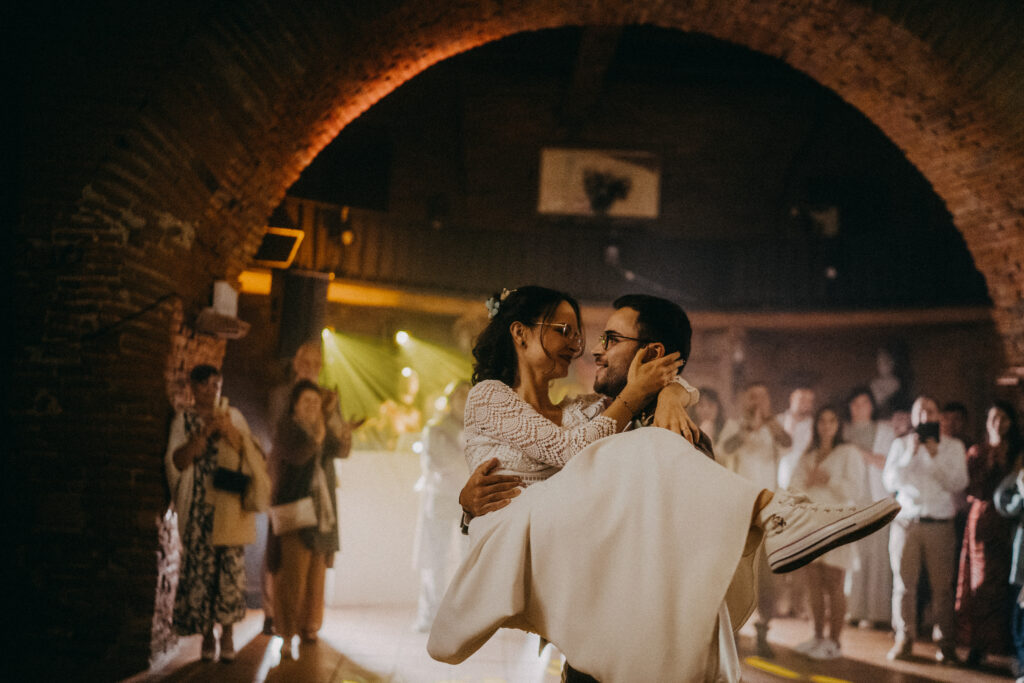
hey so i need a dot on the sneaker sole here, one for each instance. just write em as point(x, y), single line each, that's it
point(858, 525)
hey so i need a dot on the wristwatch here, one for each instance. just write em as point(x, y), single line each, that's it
point(464, 523)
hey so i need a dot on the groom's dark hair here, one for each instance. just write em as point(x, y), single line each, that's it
point(660, 320)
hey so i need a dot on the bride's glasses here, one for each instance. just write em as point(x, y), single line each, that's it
point(567, 332)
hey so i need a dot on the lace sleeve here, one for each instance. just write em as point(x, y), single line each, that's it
point(494, 410)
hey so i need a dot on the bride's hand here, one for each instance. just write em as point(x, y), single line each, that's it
point(670, 412)
point(646, 378)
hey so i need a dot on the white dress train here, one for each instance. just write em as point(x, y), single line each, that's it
point(636, 561)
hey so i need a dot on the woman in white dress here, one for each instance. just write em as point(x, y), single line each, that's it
point(869, 586)
point(829, 471)
point(625, 559)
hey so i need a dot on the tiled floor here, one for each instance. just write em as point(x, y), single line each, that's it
point(377, 645)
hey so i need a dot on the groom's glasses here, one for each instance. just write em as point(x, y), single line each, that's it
point(609, 338)
point(567, 333)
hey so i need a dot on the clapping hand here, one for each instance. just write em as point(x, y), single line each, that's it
point(330, 401)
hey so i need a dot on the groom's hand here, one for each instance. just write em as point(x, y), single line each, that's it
point(486, 492)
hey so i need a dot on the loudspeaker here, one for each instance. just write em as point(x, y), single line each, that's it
point(301, 302)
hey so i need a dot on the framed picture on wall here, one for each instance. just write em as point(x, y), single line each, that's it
point(584, 182)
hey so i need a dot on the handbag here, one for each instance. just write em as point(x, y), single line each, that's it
point(224, 479)
point(232, 481)
point(287, 517)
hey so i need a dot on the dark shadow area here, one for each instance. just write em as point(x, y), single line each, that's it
point(260, 660)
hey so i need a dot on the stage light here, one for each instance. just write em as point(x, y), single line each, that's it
point(370, 370)
point(326, 333)
point(440, 403)
point(402, 338)
point(417, 447)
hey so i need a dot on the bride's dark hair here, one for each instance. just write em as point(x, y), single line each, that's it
point(494, 351)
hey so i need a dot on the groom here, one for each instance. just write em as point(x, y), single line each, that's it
point(639, 320)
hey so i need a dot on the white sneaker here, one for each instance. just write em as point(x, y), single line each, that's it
point(798, 530)
point(290, 648)
point(827, 649)
point(808, 646)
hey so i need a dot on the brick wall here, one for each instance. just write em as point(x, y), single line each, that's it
point(156, 140)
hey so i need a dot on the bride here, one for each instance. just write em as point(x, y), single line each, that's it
point(636, 560)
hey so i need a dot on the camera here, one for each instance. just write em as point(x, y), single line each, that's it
point(928, 430)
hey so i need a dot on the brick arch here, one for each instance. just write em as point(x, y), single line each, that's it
point(968, 149)
point(169, 173)
point(294, 96)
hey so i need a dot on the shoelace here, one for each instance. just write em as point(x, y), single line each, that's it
point(777, 522)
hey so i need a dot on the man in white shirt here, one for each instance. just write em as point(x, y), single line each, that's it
point(798, 421)
point(926, 471)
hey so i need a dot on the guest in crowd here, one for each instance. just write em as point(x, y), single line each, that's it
point(306, 365)
point(984, 599)
point(953, 422)
point(310, 436)
point(829, 471)
point(798, 423)
point(709, 414)
point(750, 447)
point(926, 471)
point(900, 421)
point(211, 522)
point(1009, 502)
point(891, 386)
point(869, 584)
point(438, 533)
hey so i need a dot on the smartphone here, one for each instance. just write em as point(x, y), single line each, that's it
point(928, 430)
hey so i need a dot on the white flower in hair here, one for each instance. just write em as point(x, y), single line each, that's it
point(493, 306)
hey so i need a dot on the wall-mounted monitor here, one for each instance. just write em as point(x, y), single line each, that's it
point(278, 248)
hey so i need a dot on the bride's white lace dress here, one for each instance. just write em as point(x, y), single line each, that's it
point(623, 561)
point(501, 425)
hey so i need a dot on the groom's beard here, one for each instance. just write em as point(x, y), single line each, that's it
point(611, 382)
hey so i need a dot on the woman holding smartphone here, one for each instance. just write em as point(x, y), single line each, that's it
point(310, 436)
point(211, 523)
